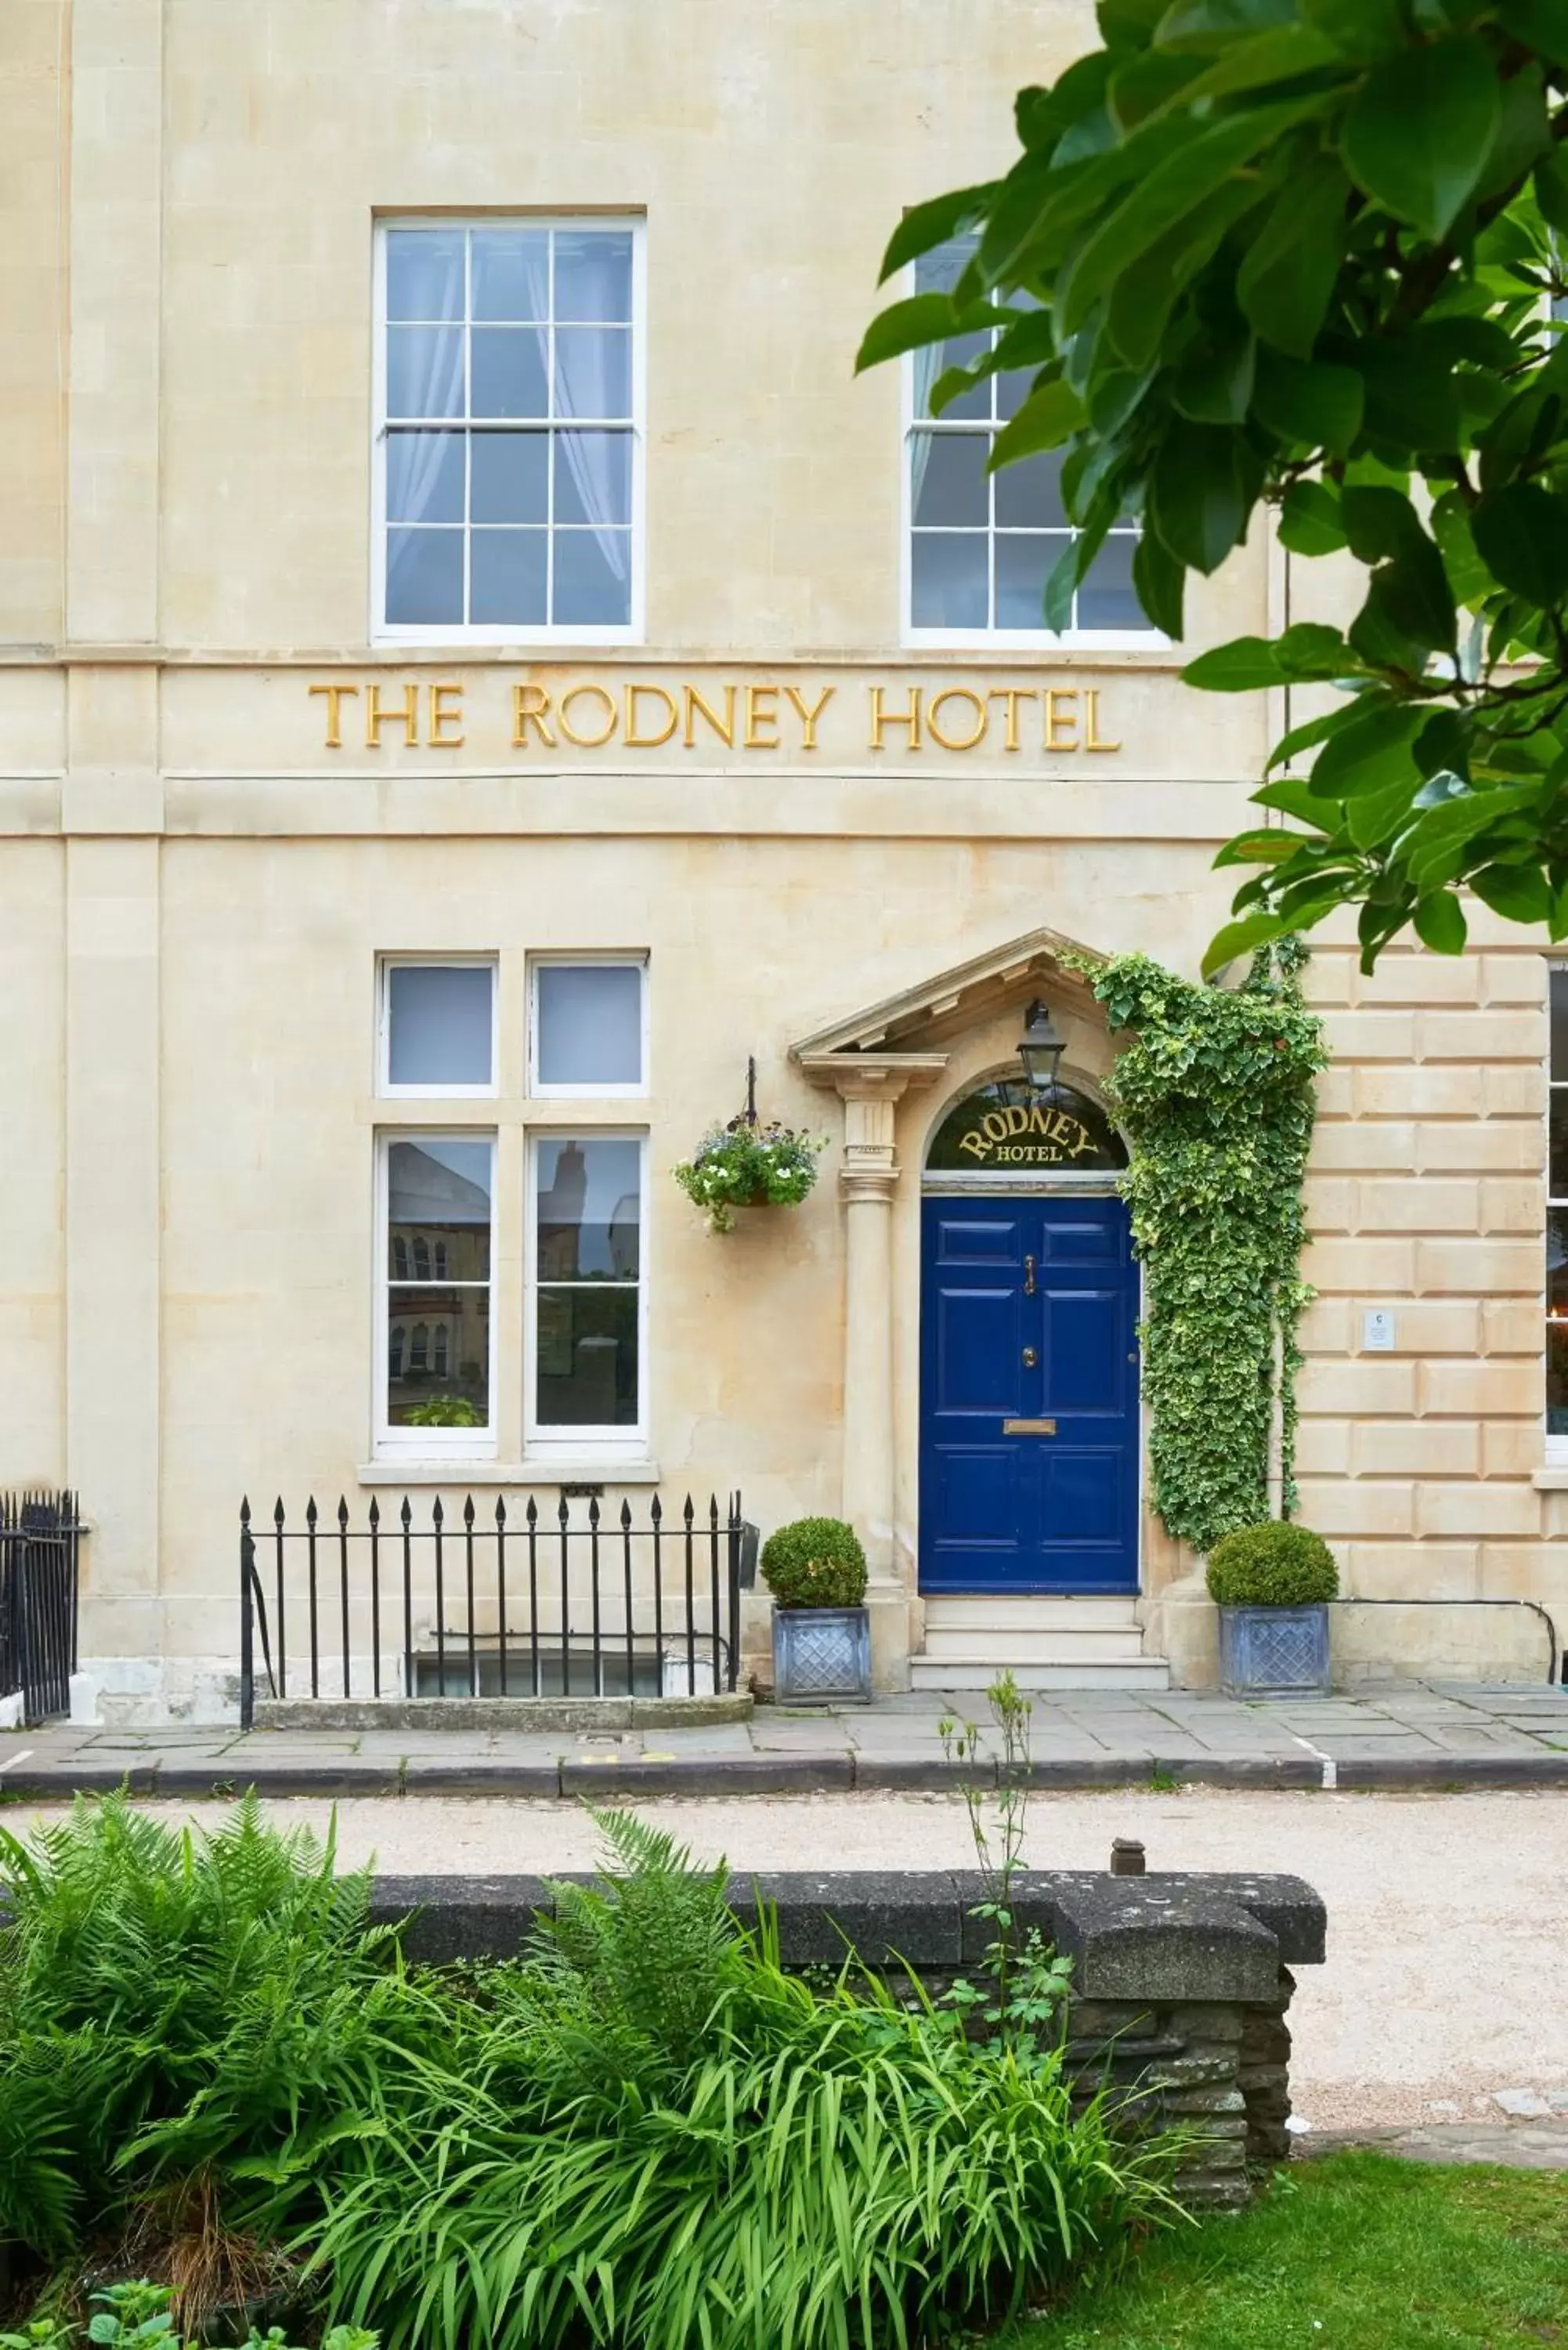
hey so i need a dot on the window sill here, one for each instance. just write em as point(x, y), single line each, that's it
point(458, 1472)
point(1552, 1479)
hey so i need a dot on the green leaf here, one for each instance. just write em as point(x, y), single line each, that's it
point(1309, 652)
point(1310, 520)
point(1440, 923)
point(1140, 302)
point(1267, 845)
point(1541, 23)
point(1308, 401)
point(1294, 799)
point(1288, 274)
point(1202, 492)
point(1158, 198)
point(1315, 729)
point(1411, 400)
point(1157, 582)
point(1146, 83)
point(1370, 754)
point(922, 318)
point(1049, 415)
point(1468, 574)
point(1420, 130)
point(1214, 384)
point(1412, 594)
point(1275, 55)
point(1523, 132)
point(1551, 184)
point(1214, 24)
point(925, 226)
point(1519, 892)
point(1520, 532)
point(1240, 937)
point(1358, 28)
point(1378, 521)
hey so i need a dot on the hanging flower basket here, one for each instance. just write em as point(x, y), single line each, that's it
point(745, 1165)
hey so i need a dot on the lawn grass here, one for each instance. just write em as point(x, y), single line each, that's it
point(1352, 2251)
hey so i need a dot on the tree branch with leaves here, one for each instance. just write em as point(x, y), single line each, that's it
point(1301, 255)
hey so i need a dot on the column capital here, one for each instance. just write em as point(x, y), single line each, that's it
point(869, 1172)
point(873, 1077)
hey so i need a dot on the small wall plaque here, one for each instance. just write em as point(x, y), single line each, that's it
point(1377, 1330)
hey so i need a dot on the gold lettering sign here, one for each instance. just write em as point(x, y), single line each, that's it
point(646, 716)
point(1038, 1135)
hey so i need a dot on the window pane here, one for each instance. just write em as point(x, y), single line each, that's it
point(593, 477)
point(593, 577)
point(424, 370)
point(510, 477)
point(424, 273)
point(593, 274)
point(439, 1017)
point(438, 1352)
point(424, 476)
point(509, 371)
point(593, 371)
point(1014, 386)
point(1028, 495)
point(1557, 1260)
point(1560, 1023)
point(1557, 1183)
point(590, 1024)
point(506, 577)
point(1022, 566)
point(949, 589)
point(511, 273)
point(587, 1209)
point(949, 479)
point(1106, 598)
point(1557, 1379)
point(585, 1365)
point(424, 576)
point(437, 1206)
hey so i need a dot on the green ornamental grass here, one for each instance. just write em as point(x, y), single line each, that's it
point(646, 2135)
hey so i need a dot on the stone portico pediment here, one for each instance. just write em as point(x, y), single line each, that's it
point(904, 1034)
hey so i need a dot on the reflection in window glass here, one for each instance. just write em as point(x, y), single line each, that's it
point(983, 545)
point(512, 337)
point(1557, 1216)
point(439, 1024)
point(587, 1267)
point(589, 1024)
point(439, 1195)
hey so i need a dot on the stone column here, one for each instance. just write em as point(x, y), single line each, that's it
point(871, 1087)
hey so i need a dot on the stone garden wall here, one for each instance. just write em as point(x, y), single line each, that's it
point(1181, 1983)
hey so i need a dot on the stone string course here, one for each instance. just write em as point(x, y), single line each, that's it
point(1181, 1983)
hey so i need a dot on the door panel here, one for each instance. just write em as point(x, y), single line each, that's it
point(1051, 1505)
point(978, 1349)
point(1085, 1349)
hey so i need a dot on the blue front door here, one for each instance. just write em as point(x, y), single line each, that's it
point(1029, 1435)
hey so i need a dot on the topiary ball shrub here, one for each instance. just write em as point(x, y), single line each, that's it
point(1273, 1565)
point(815, 1563)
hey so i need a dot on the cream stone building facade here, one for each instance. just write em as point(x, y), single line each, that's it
point(475, 668)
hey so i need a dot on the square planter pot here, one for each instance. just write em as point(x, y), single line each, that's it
point(822, 1652)
point(1274, 1652)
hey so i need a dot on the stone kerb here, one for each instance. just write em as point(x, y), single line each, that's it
point(1180, 1982)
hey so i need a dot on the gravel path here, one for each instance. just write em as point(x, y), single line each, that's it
point(1448, 1973)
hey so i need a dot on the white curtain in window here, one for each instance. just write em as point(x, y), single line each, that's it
point(588, 456)
point(438, 391)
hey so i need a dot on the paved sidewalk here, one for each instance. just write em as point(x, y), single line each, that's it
point(1434, 1735)
point(1517, 2146)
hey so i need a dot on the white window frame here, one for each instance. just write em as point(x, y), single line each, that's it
point(1556, 1452)
point(980, 639)
point(385, 966)
point(586, 1443)
point(537, 1090)
point(426, 1443)
point(629, 632)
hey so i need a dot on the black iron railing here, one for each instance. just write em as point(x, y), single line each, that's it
point(40, 1558)
point(565, 1602)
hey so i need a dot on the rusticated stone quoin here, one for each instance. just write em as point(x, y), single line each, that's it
point(1181, 1983)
